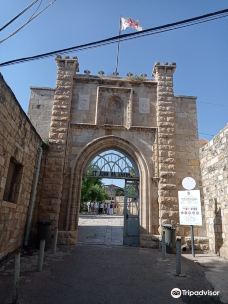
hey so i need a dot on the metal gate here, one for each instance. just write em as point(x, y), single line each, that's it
point(131, 213)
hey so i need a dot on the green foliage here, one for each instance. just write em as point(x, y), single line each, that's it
point(132, 77)
point(87, 184)
point(92, 190)
point(97, 193)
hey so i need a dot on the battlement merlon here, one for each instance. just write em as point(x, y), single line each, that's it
point(163, 69)
point(67, 63)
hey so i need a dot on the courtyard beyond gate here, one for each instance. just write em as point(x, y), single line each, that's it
point(101, 229)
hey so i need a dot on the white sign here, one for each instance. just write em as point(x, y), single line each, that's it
point(83, 102)
point(188, 183)
point(190, 207)
point(144, 105)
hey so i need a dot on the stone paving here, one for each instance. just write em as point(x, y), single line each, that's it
point(98, 274)
point(216, 271)
point(104, 274)
point(101, 229)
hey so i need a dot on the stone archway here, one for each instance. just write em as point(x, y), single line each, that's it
point(91, 149)
point(150, 117)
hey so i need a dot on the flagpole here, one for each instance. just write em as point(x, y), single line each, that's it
point(118, 50)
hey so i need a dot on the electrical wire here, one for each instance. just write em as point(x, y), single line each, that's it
point(21, 27)
point(124, 37)
point(34, 15)
point(17, 16)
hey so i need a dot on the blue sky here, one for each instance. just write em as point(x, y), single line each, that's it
point(200, 51)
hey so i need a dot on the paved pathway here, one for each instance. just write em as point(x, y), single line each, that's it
point(104, 274)
point(101, 229)
point(216, 271)
point(94, 274)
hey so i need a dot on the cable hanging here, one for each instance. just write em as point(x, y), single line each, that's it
point(17, 16)
point(124, 37)
point(34, 15)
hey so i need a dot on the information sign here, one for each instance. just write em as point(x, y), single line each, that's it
point(190, 207)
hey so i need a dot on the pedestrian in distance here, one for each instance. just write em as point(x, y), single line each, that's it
point(88, 207)
point(101, 207)
point(105, 208)
point(111, 209)
point(108, 208)
point(92, 207)
point(96, 207)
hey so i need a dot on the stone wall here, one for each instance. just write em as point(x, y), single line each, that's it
point(54, 171)
point(178, 148)
point(92, 100)
point(40, 109)
point(167, 189)
point(19, 143)
point(214, 168)
point(187, 150)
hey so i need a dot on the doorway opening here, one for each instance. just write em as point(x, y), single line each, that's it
point(110, 207)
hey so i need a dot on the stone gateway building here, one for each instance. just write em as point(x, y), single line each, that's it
point(142, 118)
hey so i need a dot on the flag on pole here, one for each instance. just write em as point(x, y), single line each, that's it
point(129, 22)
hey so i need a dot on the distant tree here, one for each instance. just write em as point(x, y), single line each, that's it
point(97, 193)
point(92, 189)
point(87, 184)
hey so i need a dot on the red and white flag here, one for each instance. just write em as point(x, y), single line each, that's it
point(128, 22)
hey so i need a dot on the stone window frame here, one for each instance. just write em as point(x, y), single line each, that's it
point(114, 104)
point(13, 181)
point(127, 103)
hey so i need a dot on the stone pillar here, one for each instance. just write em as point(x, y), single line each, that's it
point(59, 128)
point(167, 189)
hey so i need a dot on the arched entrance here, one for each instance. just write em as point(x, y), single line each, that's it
point(97, 198)
point(87, 154)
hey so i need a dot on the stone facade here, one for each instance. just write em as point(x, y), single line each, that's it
point(140, 117)
point(19, 145)
point(214, 168)
point(40, 108)
point(167, 187)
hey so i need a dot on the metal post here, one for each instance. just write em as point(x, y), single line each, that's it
point(160, 244)
point(192, 240)
point(17, 268)
point(55, 240)
point(118, 50)
point(41, 255)
point(163, 245)
point(178, 256)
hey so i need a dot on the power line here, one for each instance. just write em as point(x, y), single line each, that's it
point(21, 27)
point(34, 15)
point(114, 39)
point(17, 16)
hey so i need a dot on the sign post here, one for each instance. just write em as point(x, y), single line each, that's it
point(192, 240)
point(190, 207)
